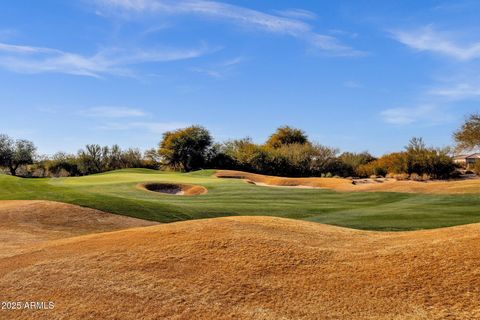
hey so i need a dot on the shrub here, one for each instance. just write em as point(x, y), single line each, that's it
point(415, 177)
point(476, 167)
point(401, 176)
point(374, 168)
point(352, 161)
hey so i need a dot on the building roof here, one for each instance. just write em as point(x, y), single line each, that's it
point(470, 156)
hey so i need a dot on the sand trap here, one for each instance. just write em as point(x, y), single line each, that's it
point(250, 268)
point(173, 189)
point(274, 181)
point(363, 185)
point(299, 186)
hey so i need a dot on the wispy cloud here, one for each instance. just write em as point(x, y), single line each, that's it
point(429, 39)
point(112, 112)
point(219, 70)
point(458, 91)
point(31, 59)
point(245, 17)
point(425, 114)
point(297, 14)
point(352, 84)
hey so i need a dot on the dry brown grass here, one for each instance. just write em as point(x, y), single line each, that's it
point(173, 189)
point(28, 222)
point(346, 185)
point(250, 268)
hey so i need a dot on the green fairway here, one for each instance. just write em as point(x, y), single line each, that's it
point(116, 192)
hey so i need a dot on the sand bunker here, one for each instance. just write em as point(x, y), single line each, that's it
point(250, 268)
point(364, 185)
point(273, 181)
point(174, 189)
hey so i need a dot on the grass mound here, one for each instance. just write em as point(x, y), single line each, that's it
point(250, 268)
point(24, 223)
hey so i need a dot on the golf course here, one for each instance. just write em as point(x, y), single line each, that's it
point(120, 192)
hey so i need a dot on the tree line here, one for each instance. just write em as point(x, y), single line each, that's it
point(287, 152)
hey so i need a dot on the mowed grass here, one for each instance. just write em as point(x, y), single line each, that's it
point(116, 192)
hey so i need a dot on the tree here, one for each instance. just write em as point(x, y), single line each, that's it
point(352, 161)
point(186, 148)
point(151, 158)
point(14, 154)
point(63, 164)
point(468, 136)
point(286, 135)
point(91, 159)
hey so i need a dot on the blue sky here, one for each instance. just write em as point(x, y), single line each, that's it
point(357, 75)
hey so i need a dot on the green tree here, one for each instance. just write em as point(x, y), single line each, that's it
point(286, 135)
point(14, 154)
point(185, 149)
point(468, 136)
point(91, 159)
point(352, 161)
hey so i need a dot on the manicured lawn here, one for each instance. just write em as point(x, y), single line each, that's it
point(116, 192)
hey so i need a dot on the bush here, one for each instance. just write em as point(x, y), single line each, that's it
point(401, 176)
point(352, 162)
point(476, 167)
point(416, 177)
point(374, 168)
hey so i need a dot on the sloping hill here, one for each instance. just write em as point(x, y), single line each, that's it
point(28, 222)
point(250, 268)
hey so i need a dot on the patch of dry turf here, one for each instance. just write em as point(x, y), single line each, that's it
point(23, 223)
point(250, 268)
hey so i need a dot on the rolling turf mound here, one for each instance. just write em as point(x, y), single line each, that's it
point(250, 268)
point(346, 185)
point(27, 222)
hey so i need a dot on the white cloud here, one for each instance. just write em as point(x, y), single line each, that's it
point(458, 91)
point(219, 70)
point(209, 72)
point(112, 112)
point(297, 14)
point(426, 114)
point(233, 14)
point(428, 39)
point(30, 59)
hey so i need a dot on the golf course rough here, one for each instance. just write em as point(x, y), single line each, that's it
point(249, 268)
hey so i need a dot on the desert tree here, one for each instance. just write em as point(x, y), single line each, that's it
point(286, 135)
point(352, 161)
point(15, 153)
point(90, 159)
point(468, 136)
point(185, 149)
